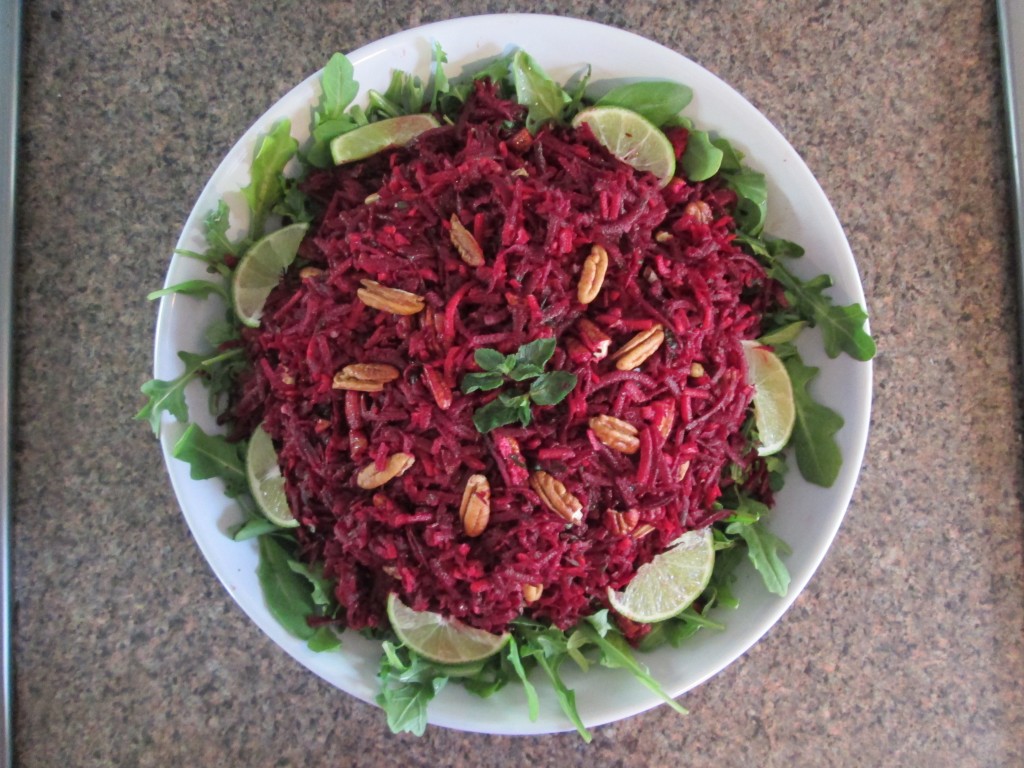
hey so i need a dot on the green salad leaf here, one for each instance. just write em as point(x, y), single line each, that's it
point(338, 88)
point(169, 396)
point(408, 683)
point(266, 185)
point(212, 456)
point(544, 99)
point(817, 454)
point(702, 159)
point(658, 101)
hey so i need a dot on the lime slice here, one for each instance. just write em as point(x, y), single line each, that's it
point(370, 139)
point(447, 641)
point(259, 271)
point(774, 412)
point(632, 138)
point(670, 582)
point(265, 482)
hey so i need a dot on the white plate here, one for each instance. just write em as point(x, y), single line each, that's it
point(807, 517)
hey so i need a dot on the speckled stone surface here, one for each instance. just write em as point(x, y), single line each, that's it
point(906, 649)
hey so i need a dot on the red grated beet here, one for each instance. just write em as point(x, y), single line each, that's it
point(536, 205)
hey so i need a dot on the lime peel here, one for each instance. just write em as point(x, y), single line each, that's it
point(774, 407)
point(446, 641)
point(670, 582)
point(265, 481)
point(259, 271)
point(632, 138)
point(368, 140)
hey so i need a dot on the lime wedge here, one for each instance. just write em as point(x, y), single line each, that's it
point(632, 138)
point(774, 411)
point(370, 139)
point(670, 582)
point(265, 481)
point(447, 641)
point(259, 271)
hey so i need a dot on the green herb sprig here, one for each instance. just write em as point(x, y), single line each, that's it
point(526, 364)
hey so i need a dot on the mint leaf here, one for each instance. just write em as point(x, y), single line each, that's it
point(817, 453)
point(266, 185)
point(658, 101)
point(481, 382)
point(543, 98)
point(488, 359)
point(552, 388)
point(536, 352)
point(498, 413)
point(524, 371)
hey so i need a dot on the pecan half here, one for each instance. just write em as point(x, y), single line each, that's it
point(683, 469)
point(642, 530)
point(593, 338)
point(617, 434)
point(308, 273)
point(700, 211)
point(532, 592)
point(635, 351)
point(621, 523)
point(696, 370)
point(364, 377)
point(556, 498)
point(662, 237)
point(439, 390)
point(475, 509)
point(395, 300)
point(467, 246)
point(592, 276)
point(396, 466)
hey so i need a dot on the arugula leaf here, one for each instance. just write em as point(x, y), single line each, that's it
point(783, 335)
point(250, 529)
point(287, 593)
point(615, 654)
point(440, 83)
point(552, 388)
point(547, 646)
point(198, 288)
point(817, 454)
point(211, 456)
point(752, 206)
point(408, 684)
point(323, 588)
point(338, 88)
point(658, 101)
point(532, 701)
point(323, 639)
point(842, 327)
point(702, 159)
point(293, 204)
point(763, 548)
point(169, 396)
point(543, 98)
point(266, 185)
point(215, 230)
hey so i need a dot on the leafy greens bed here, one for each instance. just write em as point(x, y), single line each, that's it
point(298, 591)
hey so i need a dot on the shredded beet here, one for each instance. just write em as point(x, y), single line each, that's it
point(536, 207)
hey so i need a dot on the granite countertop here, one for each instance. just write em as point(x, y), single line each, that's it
point(907, 648)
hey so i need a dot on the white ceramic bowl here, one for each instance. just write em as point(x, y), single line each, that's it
point(807, 517)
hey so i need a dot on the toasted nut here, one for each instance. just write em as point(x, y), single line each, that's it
point(532, 592)
point(592, 276)
point(439, 390)
point(475, 509)
point(372, 198)
point(696, 370)
point(617, 434)
point(396, 466)
point(683, 469)
point(663, 237)
point(467, 246)
point(700, 211)
point(308, 273)
point(635, 351)
point(556, 498)
point(395, 300)
point(365, 377)
point(521, 173)
point(643, 530)
point(621, 523)
point(521, 141)
point(593, 338)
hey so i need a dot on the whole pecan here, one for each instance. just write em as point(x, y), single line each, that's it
point(617, 434)
point(556, 498)
point(634, 352)
point(592, 275)
point(475, 509)
point(397, 464)
point(395, 300)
